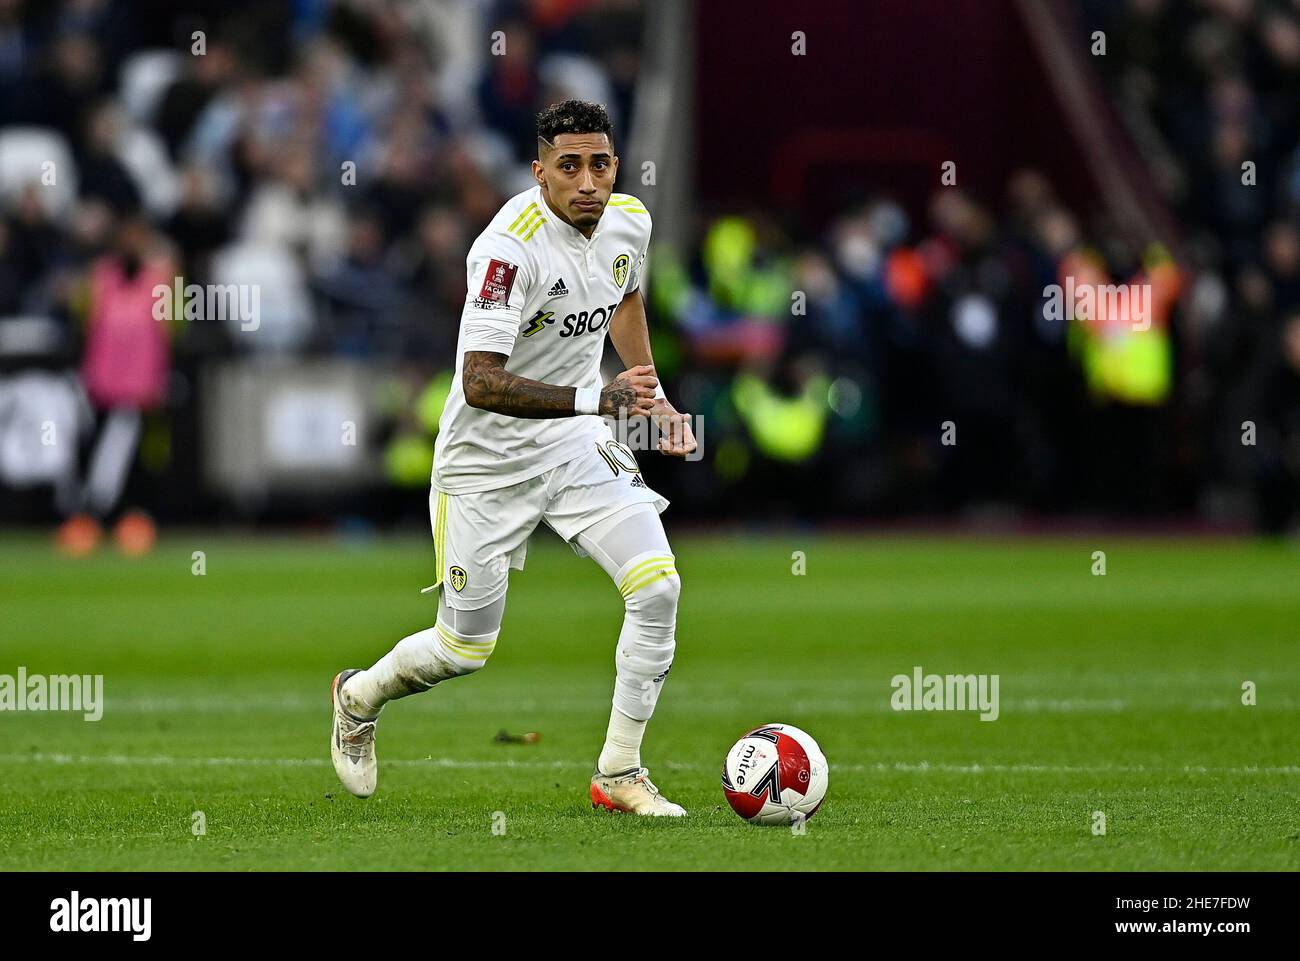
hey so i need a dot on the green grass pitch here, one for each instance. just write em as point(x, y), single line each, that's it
point(1119, 693)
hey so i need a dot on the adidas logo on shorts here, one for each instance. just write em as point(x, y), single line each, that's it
point(558, 289)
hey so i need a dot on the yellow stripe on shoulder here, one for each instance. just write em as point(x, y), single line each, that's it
point(524, 214)
point(527, 224)
point(627, 202)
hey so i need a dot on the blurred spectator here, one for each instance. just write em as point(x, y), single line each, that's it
point(125, 374)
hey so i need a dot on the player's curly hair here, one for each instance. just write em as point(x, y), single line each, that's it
point(573, 116)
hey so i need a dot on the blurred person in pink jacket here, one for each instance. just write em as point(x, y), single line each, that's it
point(125, 372)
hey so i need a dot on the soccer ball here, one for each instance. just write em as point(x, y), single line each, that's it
point(775, 774)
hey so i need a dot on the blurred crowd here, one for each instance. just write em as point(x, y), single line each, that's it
point(927, 372)
point(343, 154)
point(1211, 92)
point(338, 155)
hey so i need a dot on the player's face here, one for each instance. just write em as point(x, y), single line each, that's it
point(578, 176)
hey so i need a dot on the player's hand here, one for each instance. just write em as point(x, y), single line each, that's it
point(676, 439)
point(630, 394)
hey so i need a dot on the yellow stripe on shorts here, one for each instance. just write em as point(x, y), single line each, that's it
point(440, 537)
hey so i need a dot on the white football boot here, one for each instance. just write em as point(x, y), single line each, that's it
point(352, 744)
point(632, 792)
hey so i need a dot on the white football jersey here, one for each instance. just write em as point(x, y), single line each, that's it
point(542, 294)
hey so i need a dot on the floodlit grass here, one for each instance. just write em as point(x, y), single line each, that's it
point(1119, 694)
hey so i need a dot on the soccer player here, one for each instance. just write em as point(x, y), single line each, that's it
point(523, 439)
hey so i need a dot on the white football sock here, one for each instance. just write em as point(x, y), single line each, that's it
point(420, 661)
point(622, 750)
point(633, 550)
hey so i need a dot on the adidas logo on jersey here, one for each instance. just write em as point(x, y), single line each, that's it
point(558, 289)
point(637, 481)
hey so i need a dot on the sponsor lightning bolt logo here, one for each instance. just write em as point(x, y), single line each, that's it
point(539, 321)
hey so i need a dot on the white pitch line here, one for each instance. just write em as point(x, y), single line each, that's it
point(165, 761)
point(907, 767)
point(873, 703)
point(925, 766)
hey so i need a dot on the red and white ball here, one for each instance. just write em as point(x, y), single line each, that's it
point(775, 774)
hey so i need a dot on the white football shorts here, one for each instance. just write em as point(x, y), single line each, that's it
point(480, 536)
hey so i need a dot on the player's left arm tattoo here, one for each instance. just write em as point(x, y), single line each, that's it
point(489, 386)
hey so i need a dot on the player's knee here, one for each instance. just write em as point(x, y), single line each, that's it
point(663, 593)
point(655, 595)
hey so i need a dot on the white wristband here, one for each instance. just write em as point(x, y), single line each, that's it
point(659, 392)
point(586, 400)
